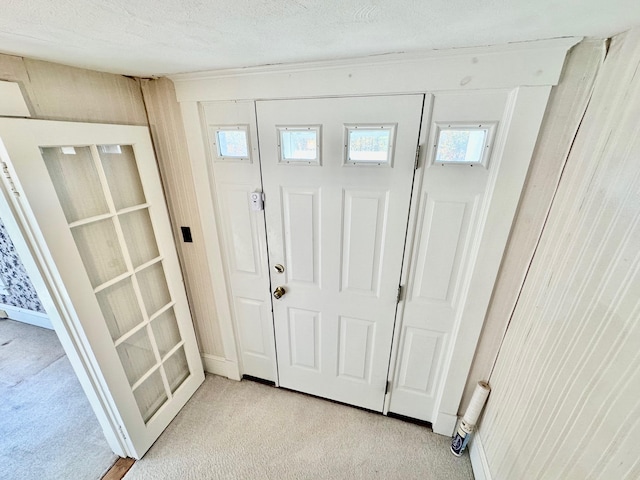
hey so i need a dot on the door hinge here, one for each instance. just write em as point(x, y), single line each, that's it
point(399, 296)
point(124, 435)
point(5, 170)
point(387, 387)
point(417, 162)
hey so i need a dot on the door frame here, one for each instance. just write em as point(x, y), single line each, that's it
point(30, 246)
point(529, 69)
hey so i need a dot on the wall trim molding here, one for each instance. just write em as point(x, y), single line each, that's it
point(27, 316)
point(478, 457)
point(382, 59)
point(504, 66)
point(220, 366)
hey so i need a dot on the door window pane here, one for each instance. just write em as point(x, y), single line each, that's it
point(299, 145)
point(369, 145)
point(121, 170)
point(177, 369)
point(462, 145)
point(165, 331)
point(232, 143)
point(76, 181)
point(150, 395)
point(101, 254)
point(153, 286)
point(120, 308)
point(139, 236)
point(136, 355)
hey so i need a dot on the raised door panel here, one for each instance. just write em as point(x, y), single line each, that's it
point(241, 229)
point(304, 339)
point(301, 221)
point(443, 236)
point(421, 355)
point(357, 340)
point(364, 214)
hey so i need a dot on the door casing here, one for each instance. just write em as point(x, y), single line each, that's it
point(479, 69)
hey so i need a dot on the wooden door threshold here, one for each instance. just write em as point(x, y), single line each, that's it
point(119, 469)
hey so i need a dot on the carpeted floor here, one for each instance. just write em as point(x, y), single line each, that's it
point(245, 430)
point(47, 428)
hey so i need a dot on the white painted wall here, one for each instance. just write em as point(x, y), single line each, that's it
point(564, 402)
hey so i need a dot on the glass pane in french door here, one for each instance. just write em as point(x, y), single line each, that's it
point(101, 193)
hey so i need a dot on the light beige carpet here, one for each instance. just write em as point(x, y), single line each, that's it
point(47, 428)
point(25, 350)
point(245, 430)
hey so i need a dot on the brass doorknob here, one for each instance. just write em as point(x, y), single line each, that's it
point(279, 292)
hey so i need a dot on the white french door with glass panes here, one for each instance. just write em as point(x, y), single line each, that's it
point(337, 175)
point(90, 198)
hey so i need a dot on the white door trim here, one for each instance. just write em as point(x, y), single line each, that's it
point(28, 245)
point(529, 69)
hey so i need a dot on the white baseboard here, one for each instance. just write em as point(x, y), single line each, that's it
point(479, 462)
point(445, 424)
point(27, 316)
point(220, 366)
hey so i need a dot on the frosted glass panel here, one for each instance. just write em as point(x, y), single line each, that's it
point(120, 308)
point(136, 355)
point(369, 145)
point(457, 145)
point(139, 236)
point(153, 287)
point(300, 144)
point(177, 369)
point(100, 251)
point(165, 331)
point(122, 175)
point(76, 181)
point(232, 143)
point(150, 395)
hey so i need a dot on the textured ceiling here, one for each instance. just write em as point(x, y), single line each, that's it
point(156, 37)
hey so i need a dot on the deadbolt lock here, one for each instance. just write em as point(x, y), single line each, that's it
point(279, 292)
point(278, 268)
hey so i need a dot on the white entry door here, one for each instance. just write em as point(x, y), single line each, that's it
point(90, 201)
point(337, 178)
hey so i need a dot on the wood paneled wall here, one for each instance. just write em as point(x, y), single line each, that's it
point(167, 130)
point(564, 402)
point(58, 92)
point(565, 110)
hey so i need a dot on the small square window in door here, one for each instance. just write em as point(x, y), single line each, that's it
point(370, 145)
point(299, 145)
point(230, 142)
point(463, 144)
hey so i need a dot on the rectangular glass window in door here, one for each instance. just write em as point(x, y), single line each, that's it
point(103, 200)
